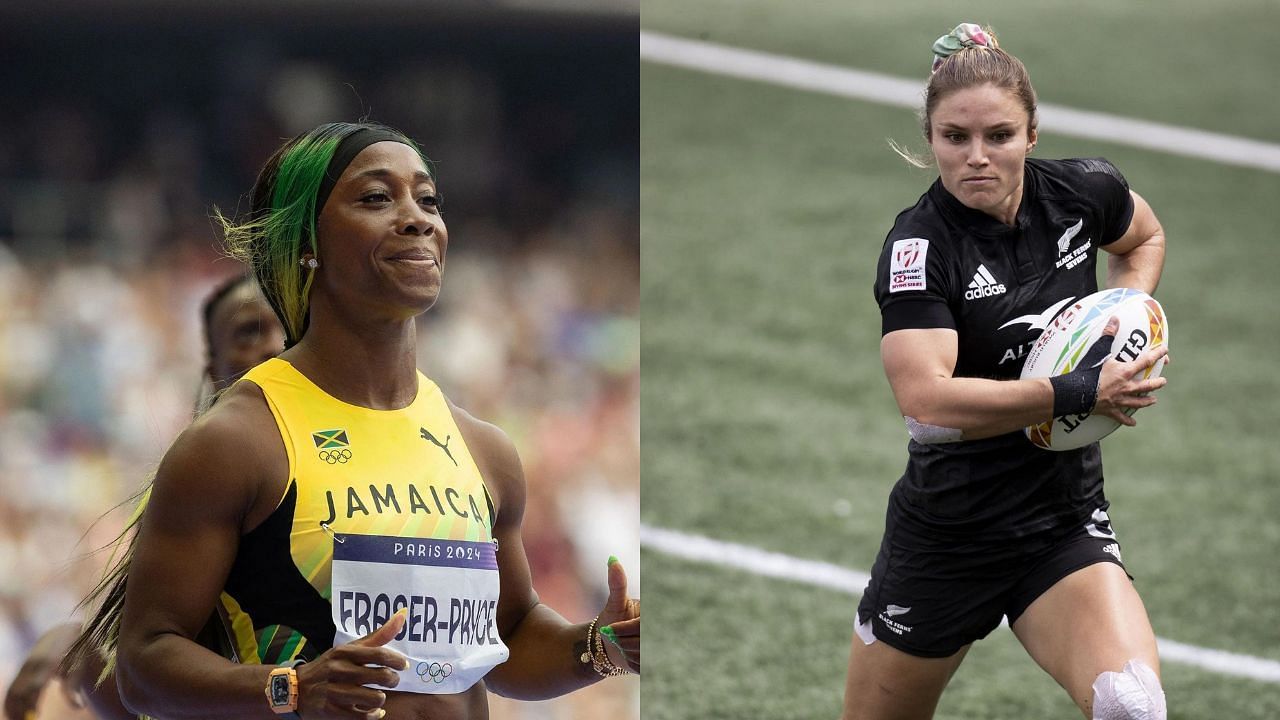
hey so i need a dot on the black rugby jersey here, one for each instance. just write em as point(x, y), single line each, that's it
point(945, 265)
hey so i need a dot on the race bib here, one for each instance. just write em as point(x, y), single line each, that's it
point(451, 590)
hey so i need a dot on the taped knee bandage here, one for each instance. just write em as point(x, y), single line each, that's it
point(1133, 694)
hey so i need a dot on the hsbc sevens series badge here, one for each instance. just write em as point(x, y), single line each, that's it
point(907, 264)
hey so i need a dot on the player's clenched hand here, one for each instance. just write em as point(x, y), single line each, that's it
point(332, 685)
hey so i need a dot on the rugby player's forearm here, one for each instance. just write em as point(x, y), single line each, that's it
point(545, 658)
point(981, 408)
point(172, 677)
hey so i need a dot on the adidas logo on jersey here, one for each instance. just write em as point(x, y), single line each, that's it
point(983, 285)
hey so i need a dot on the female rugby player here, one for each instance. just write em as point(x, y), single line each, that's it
point(984, 525)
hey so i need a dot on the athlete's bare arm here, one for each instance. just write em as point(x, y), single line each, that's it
point(920, 364)
point(222, 476)
point(205, 490)
point(1137, 258)
point(544, 646)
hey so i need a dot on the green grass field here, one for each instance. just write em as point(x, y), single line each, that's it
point(764, 402)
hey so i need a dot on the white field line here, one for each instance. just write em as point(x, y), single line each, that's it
point(833, 577)
point(899, 92)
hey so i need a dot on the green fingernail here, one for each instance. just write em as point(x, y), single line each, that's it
point(608, 632)
point(613, 559)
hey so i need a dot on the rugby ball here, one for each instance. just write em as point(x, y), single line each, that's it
point(1069, 336)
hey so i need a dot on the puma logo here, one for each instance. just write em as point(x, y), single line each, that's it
point(426, 435)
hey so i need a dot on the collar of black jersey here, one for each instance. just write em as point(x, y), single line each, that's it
point(978, 222)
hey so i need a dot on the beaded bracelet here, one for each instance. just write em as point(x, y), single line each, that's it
point(597, 656)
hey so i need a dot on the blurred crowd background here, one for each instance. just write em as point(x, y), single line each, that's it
point(125, 123)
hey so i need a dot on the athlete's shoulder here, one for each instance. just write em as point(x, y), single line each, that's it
point(922, 230)
point(1077, 172)
point(919, 255)
point(277, 377)
point(268, 369)
point(484, 438)
point(235, 427)
point(924, 219)
point(472, 425)
point(921, 236)
point(225, 456)
point(1092, 187)
point(494, 452)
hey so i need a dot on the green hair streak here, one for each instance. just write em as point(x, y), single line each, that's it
point(272, 240)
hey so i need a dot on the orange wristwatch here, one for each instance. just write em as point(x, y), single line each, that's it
point(282, 690)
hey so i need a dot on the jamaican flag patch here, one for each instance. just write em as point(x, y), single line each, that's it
point(326, 439)
point(333, 445)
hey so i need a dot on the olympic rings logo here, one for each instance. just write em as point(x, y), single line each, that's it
point(336, 456)
point(434, 672)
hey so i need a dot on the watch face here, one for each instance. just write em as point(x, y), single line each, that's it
point(279, 690)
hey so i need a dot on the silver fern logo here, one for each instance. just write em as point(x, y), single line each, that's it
point(896, 610)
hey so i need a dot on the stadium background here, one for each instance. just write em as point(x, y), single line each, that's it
point(126, 121)
point(767, 419)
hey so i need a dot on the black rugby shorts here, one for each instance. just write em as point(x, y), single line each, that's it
point(930, 598)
